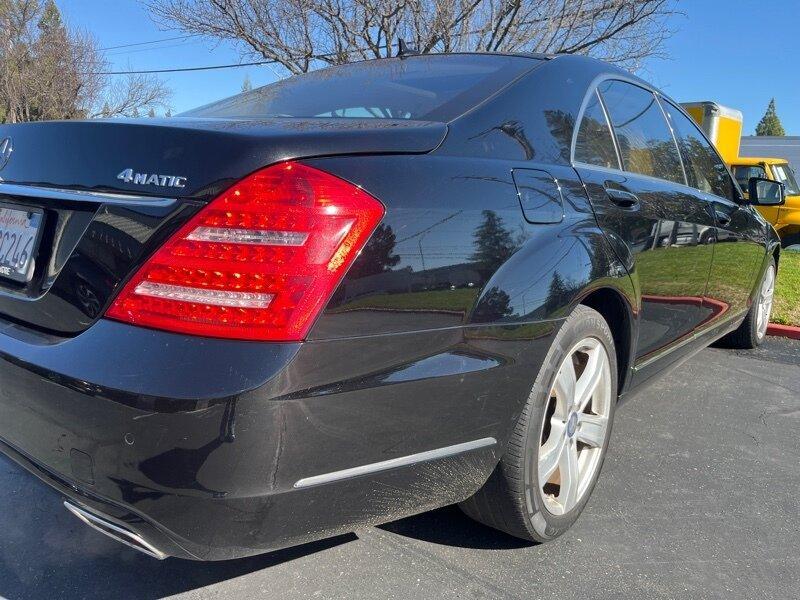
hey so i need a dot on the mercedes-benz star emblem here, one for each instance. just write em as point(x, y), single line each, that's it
point(6, 148)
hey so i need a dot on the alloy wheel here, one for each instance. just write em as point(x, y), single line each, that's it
point(764, 308)
point(575, 426)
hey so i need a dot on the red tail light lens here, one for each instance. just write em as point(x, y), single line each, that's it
point(259, 262)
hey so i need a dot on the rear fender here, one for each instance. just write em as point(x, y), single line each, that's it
point(555, 266)
point(454, 249)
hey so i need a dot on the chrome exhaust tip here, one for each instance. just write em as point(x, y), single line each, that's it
point(116, 532)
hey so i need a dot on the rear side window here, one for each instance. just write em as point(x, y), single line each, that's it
point(704, 168)
point(594, 144)
point(645, 141)
point(430, 88)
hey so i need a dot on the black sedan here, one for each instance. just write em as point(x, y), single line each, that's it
point(359, 294)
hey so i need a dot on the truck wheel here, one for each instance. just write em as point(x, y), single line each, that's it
point(555, 453)
point(753, 329)
point(791, 240)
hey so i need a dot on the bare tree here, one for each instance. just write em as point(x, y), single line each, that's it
point(129, 96)
point(49, 71)
point(303, 34)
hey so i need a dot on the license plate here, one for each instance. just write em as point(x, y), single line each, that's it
point(19, 236)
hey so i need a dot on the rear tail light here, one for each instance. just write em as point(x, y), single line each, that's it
point(259, 262)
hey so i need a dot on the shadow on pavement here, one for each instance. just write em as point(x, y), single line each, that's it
point(450, 527)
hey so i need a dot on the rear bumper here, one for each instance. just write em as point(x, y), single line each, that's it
point(121, 515)
point(210, 449)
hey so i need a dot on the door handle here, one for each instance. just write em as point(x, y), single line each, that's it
point(622, 198)
point(723, 218)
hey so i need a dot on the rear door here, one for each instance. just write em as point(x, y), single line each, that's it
point(739, 228)
point(659, 226)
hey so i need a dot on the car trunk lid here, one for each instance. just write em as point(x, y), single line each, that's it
point(86, 202)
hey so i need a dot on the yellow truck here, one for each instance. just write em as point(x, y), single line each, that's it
point(723, 126)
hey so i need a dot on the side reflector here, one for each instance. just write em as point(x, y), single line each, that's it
point(259, 262)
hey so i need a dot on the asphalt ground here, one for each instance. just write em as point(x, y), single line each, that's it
point(697, 499)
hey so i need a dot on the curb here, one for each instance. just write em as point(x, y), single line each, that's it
point(784, 331)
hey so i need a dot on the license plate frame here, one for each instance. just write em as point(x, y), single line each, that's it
point(19, 271)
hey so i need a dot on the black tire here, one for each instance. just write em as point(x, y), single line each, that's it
point(508, 501)
point(747, 335)
point(792, 239)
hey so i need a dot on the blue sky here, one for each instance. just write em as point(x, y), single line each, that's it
point(740, 53)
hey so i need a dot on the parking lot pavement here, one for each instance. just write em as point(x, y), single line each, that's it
point(698, 498)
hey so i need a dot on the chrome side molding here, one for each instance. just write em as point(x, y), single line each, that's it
point(124, 536)
point(402, 461)
point(46, 193)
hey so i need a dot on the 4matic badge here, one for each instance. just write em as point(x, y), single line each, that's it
point(129, 176)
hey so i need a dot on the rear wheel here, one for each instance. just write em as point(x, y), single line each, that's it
point(753, 329)
point(557, 449)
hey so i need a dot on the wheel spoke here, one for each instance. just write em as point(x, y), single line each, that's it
point(568, 469)
point(765, 301)
point(564, 388)
point(766, 289)
point(586, 386)
point(591, 429)
point(550, 453)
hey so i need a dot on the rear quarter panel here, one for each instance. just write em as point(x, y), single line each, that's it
point(455, 250)
point(437, 333)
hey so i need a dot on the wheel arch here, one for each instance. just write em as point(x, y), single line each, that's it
point(774, 249)
point(612, 304)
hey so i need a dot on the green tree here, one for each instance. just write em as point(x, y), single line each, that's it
point(51, 71)
point(378, 255)
point(770, 124)
point(56, 86)
point(51, 17)
point(558, 295)
point(494, 244)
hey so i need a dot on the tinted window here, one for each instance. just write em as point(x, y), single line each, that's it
point(743, 173)
point(435, 88)
point(704, 168)
point(645, 142)
point(594, 144)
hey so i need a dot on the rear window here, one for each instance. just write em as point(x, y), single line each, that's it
point(426, 88)
point(594, 144)
point(645, 142)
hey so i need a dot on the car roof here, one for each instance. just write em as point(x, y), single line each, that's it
point(533, 55)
